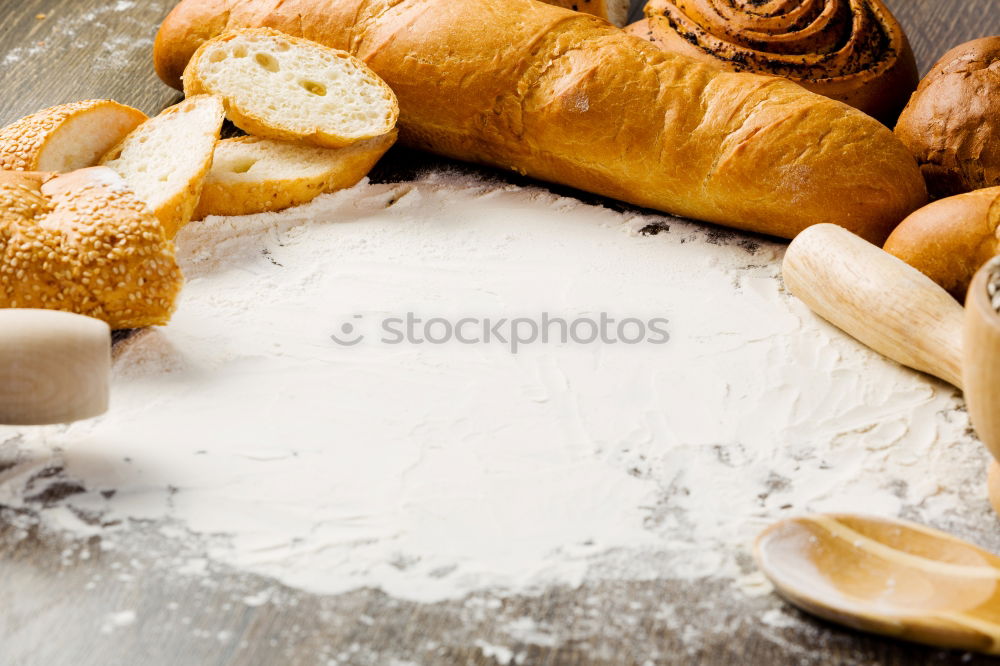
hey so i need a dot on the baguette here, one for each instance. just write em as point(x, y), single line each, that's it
point(565, 97)
point(66, 137)
point(254, 175)
point(292, 89)
point(950, 239)
point(166, 159)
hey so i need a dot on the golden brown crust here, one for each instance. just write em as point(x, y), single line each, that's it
point(952, 123)
point(245, 196)
point(565, 97)
point(950, 239)
point(83, 243)
point(23, 143)
point(176, 211)
point(855, 52)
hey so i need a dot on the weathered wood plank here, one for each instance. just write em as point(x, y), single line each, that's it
point(56, 604)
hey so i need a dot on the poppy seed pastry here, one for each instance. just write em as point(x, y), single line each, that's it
point(854, 51)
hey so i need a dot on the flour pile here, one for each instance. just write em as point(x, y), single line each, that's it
point(431, 471)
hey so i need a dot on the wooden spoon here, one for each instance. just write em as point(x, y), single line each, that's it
point(893, 578)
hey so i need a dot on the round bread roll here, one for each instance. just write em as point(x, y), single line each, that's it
point(853, 51)
point(950, 239)
point(82, 242)
point(952, 123)
point(66, 137)
point(55, 367)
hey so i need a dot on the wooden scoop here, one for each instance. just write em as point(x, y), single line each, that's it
point(901, 313)
point(893, 578)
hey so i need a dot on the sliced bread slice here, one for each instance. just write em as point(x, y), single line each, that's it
point(291, 89)
point(66, 137)
point(255, 175)
point(166, 159)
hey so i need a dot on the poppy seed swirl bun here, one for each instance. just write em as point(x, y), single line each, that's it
point(854, 51)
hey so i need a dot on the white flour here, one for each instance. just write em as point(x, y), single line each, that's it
point(433, 471)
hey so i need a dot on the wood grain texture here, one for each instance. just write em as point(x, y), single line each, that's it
point(56, 595)
point(844, 278)
point(55, 367)
point(982, 360)
point(888, 577)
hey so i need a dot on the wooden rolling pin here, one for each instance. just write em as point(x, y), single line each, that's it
point(55, 367)
point(901, 313)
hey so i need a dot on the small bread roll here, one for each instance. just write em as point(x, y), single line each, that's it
point(952, 123)
point(66, 137)
point(55, 367)
point(854, 52)
point(950, 239)
point(82, 242)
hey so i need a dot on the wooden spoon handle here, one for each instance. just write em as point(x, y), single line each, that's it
point(886, 304)
point(982, 361)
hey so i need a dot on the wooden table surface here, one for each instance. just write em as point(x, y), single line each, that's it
point(56, 594)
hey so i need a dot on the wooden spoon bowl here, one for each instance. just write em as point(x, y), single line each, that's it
point(889, 577)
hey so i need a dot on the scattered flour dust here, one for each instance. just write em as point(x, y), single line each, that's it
point(115, 621)
point(431, 471)
point(95, 35)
